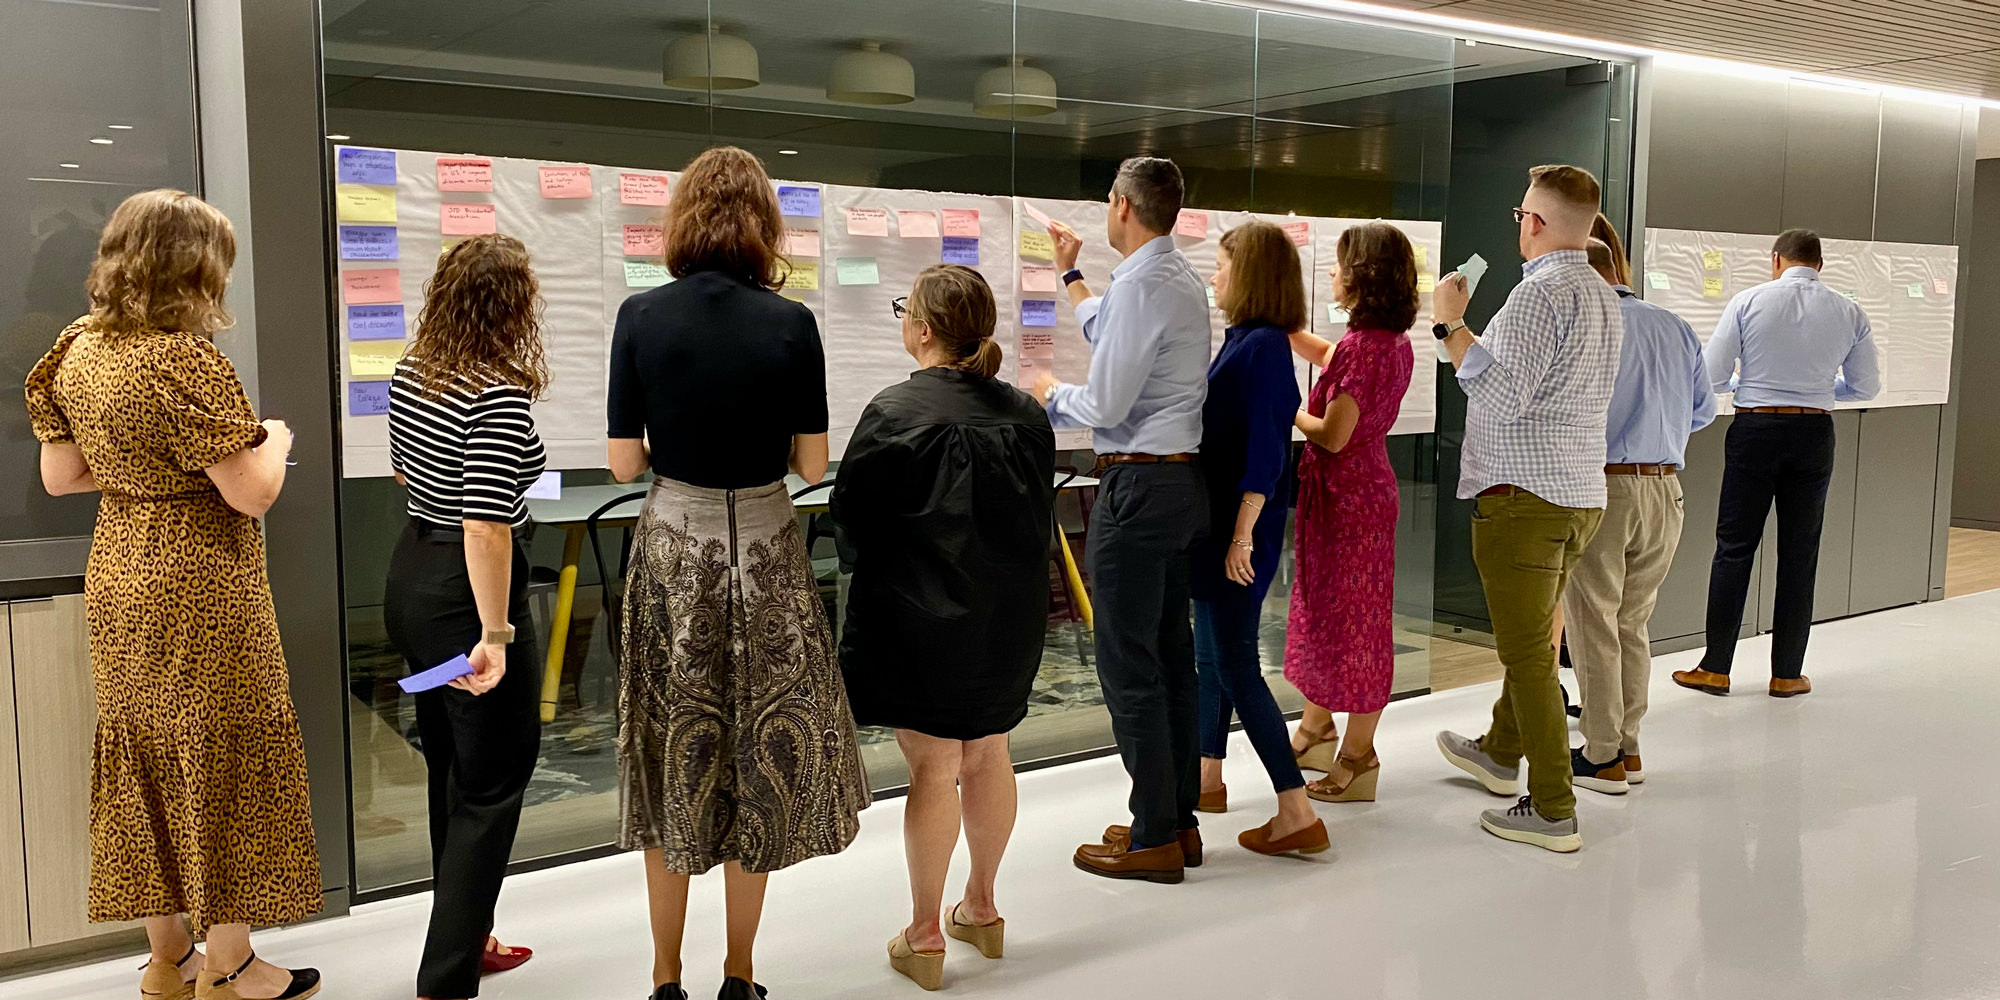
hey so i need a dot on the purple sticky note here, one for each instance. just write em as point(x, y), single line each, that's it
point(798, 201)
point(360, 165)
point(960, 250)
point(367, 399)
point(1038, 312)
point(438, 676)
point(375, 323)
point(368, 243)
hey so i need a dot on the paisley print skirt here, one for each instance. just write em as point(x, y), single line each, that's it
point(735, 741)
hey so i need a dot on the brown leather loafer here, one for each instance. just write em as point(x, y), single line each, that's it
point(1120, 836)
point(1310, 840)
point(1704, 681)
point(1151, 864)
point(1214, 802)
point(1790, 687)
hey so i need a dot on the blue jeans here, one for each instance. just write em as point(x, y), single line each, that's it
point(1230, 678)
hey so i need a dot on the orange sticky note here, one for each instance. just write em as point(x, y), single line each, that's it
point(961, 222)
point(916, 225)
point(372, 287)
point(1039, 278)
point(867, 222)
point(1300, 231)
point(642, 189)
point(642, 240)
point(565, 182)
point(464, 173)
point(466, 219)
point(1192, 224)
point(801, 242)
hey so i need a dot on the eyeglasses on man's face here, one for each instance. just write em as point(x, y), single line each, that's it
point(900, 305)
point(1521, 214)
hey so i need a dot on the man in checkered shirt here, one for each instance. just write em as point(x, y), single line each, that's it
point(1538, 386)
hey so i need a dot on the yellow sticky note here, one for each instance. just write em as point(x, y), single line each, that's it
point(803, 277)
point(1037, 244)
point(1426, 281)
point(364, 203)
point(1711, 260)
point(1423, 256)
point(373, 358)
point(1711, 288)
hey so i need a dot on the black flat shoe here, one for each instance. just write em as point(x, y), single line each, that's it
point(670, 991)
point(740, 989)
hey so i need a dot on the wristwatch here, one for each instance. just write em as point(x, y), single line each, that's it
point(1443, 330)
point(497, 637)
point(1071, 277)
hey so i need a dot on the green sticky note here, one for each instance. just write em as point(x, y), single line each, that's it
point(1916, 289)
point(1851, 297)
point(1211, 296)
point(857, 271)
point(645, 274)
point(1335, 315)
point(1657, 279)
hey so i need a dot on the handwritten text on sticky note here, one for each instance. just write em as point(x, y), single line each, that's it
point(644, 240)
point(801, 242)
point(1038, 344)
point(960, 250)
point(867, 222)
point(373, 358)
point(367, 399)
point(1658, 280)
point(1711, 288)
point(961, 222)
point(1192, 224)
point(368, 243)
point(1299, 230)
point(857, 271)
point(364, 203)
point(1038, 312)
point(464, 173)
point(376, 323)
point(1039, 278)
point(465, 219)
point(359, 165)
point(1037, 244)
point(565, 182)
point(1711, 260)
point(642, 189)
point(798, 201)
point(916, 225)
point(645, 274)
point(378, 286)
point(803, 277)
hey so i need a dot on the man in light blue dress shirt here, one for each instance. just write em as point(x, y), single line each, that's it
point(1149, 337)
point(1789, 349)
point(1662, 395)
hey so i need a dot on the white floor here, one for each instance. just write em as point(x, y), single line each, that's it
point(1846, 844)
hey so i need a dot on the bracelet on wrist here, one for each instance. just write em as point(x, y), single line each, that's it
point(1244, 544)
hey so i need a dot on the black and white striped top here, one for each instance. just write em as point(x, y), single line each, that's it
point(468, 455)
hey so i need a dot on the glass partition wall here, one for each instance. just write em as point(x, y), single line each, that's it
point(1264, 111)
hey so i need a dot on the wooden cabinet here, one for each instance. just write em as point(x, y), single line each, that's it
point(13, 857)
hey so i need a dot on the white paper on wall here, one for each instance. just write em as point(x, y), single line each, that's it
point(1419, 411)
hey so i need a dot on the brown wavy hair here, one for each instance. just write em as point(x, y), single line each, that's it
point(1380, 269)
point(724, 217)
point(957, 304)
point(163, 264)
point(481, 321)
point(1264, 282)
point(1621, 265)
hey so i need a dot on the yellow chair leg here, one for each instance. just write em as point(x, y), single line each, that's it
point(559, 623)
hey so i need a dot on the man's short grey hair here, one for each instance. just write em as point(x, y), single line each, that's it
point(1154, 187)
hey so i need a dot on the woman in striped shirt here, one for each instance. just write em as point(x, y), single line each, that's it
point(462, 439)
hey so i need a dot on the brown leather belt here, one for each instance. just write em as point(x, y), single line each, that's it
point(1106, 461)
point(1779, 409)
point(1639, 469)
point(1503, 490)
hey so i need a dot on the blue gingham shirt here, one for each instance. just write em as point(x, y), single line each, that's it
point(1538, 385)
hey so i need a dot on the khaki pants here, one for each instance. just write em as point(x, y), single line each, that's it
point(1608, 603)
point(1525, 548)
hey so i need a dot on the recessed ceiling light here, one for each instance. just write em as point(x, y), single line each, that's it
point(101, 140)
point(337, 137)
point(70, 166)
point(788, 152)
point(121, 128)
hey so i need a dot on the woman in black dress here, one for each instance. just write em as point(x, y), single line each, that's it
point(945, 501)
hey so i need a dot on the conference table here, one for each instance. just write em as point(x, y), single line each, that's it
point(572, 511)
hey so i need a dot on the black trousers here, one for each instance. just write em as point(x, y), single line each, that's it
point(1784, 459)
point(481, 749)
point(1143, 532)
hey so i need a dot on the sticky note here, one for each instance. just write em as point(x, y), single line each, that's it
point(1711, 260)
point(445, 245)
point(367, 399)
point(1036, 214)
point(642, 189)
point(644, 240)
point(916, 225)
point(962, 250)
point(645, 274)
point(1038, 344)
point(466, 219)
point(565, 182)
point(1299, 230)
point(1037, 244)
point(801, 242)
point(1032, 369)
point(548, 486)
point(1472, 270)
point(1336, 315)
point(1423, 254)
point(1039, 278)
point(379, 286)
point(867, 222)
point(798, 201)
point(373, 358)
point(961, 222)
point(1192, 224)
point(1658, 280)
point(1038, 312)
point(359, 165)
point(364, 203)
point(1426, 281)
point(436, 677)
point(1711, 288)
point(1916, 289)
point(857, 271)
point(1938, 286)
point(803, 277)
point(376, 323)
point(368, 243)
point(1211, 295)
point(464, 173)
point(1851, 297)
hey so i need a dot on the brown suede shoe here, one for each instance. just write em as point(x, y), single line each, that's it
point(1214, 802)
point(1790, 687)
point(1703, 681)
point(1310, 840)
point(1152, 864)
point(1120, 836)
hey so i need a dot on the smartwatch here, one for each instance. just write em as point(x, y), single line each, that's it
point(1071, 277)
point(1443, 330)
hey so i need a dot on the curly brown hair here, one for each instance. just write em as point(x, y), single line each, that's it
point(1380, 271)
point(1264, 282)
point(724, 217)
point(481, 321)
point(163, 264)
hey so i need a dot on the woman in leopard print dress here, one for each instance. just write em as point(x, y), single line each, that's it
point(198, 799)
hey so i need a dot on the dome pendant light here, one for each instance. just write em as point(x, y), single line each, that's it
point(1016, 90)
point(871, 76)
point(712, 61)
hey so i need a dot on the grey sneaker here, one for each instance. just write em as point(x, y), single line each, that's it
point(1523, 825)
point(1469, 758)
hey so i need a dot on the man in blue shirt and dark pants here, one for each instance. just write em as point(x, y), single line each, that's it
point(1788, 349)
point(1149, 335)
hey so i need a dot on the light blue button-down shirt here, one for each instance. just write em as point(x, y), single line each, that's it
point(1149, 344)
point(1800, 343)
point(1662, 393)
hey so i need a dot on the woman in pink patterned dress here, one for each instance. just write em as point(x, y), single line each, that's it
point(1339, 648)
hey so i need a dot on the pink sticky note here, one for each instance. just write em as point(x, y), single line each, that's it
point(867, 222)
point(1035, 214)
point(916, 225)
point(642, 189)
point(1032, 369)
point(565, 182)
point(643, 240)
point(464, 173)
point(961, 222)
point(466, 219)
point(801, 242)
point(1192, 224)
point(1038, 344)
point(1938, 286)
point(1039, 278)
point(373, 287)
point(1300, 231)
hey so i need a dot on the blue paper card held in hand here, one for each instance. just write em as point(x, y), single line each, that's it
point(438, 676)
point(360, 165)
point(960, 250)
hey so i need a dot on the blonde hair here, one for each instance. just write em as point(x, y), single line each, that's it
point(957, 304)
point(1264, 282)
point(482, 320)
point(1621, 265)
point(163, 264)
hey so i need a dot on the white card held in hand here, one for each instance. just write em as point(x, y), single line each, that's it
point(1474, 269)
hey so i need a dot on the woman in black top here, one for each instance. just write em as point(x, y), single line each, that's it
point(946, 500)
point(735, 743)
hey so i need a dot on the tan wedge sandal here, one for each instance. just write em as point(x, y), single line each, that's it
point(1319, 754)
point(925, 968)
point(162, 981)
point(1360, 783)
point(990, 939)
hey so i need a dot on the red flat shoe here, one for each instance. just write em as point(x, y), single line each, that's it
point(491, 961)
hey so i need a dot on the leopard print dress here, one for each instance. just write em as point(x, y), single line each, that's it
point(198, 799)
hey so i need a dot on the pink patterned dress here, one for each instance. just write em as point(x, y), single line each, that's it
point(1339, 645)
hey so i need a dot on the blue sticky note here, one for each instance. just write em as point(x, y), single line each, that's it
point(1038, 312)
point(367, 399)
point(960, 250)
point(368, 243)
point(798, 201)
point(438, 676)
point(375, 323)
point(359, 165)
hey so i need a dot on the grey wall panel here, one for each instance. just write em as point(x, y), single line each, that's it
point(1897, 452)
point(1683, 607)
point(1975, 498)
point(1717, 153)
point(1919, 163)
point(1830, 153)
point(1836, 538)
